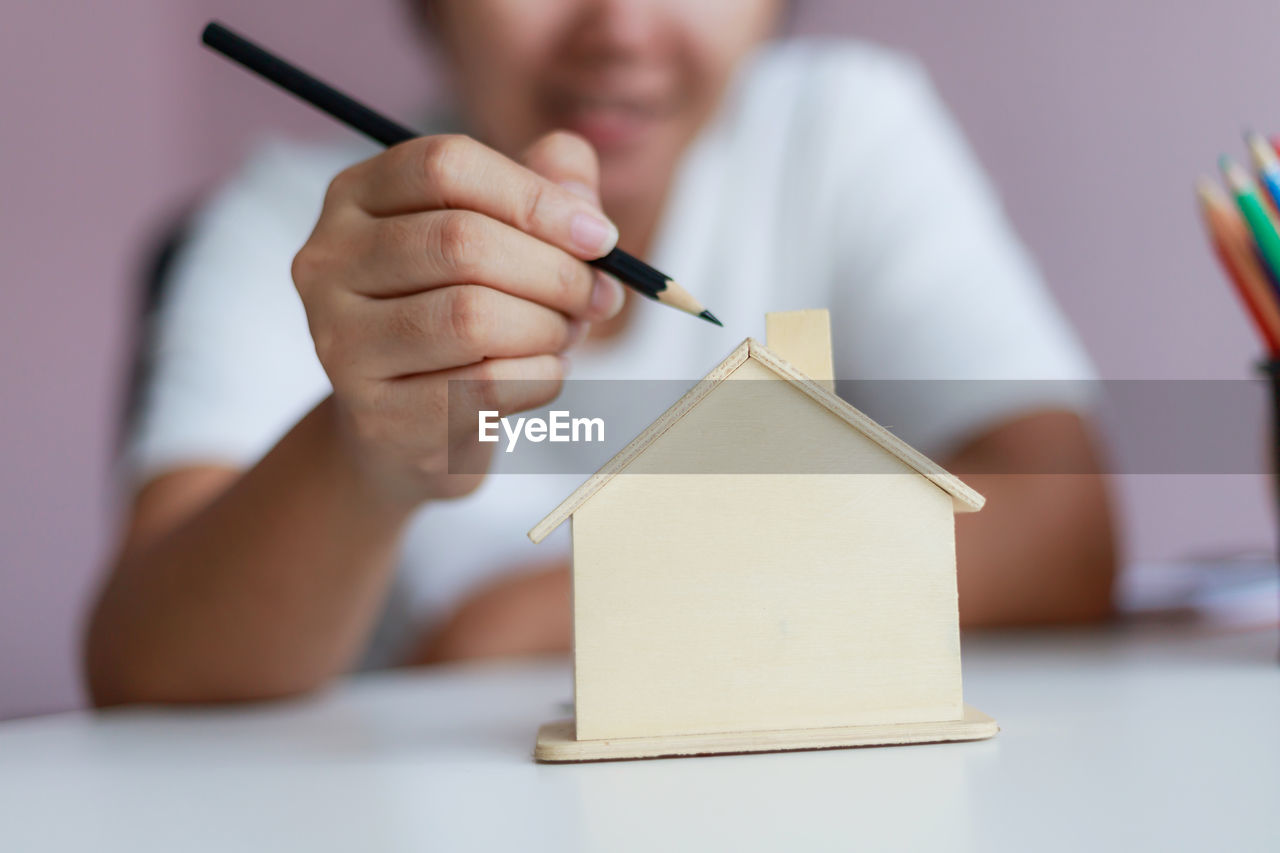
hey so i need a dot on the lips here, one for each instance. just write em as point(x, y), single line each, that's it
point(609, 122)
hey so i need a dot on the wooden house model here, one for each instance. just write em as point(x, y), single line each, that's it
point(730, 596)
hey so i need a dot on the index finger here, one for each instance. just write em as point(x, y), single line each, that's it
point(442, 172)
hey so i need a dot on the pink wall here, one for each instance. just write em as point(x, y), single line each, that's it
point(112, 115)
point(1094, 116)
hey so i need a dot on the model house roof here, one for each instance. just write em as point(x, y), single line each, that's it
point(964, 498)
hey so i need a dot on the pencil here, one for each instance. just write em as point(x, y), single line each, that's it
point(1234, 246)
point(1268, 165)
point(628, 269)
point(1255, 214)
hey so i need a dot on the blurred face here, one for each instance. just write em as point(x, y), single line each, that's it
point(637, 78)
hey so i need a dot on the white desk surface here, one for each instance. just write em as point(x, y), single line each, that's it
point(1156, 738)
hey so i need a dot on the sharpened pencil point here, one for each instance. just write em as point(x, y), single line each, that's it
point(711, 318)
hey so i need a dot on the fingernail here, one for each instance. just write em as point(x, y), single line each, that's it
point(593, 235)
point(577, 333)
point(565, 365)
point(606, 297)
point(581, 190)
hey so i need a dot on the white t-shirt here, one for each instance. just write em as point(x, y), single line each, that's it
point(832, 177)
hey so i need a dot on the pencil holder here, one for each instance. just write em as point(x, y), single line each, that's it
point(1270, 369)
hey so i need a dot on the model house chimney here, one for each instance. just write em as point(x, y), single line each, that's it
point(804, 339)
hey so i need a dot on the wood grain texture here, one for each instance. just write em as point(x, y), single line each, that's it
point(708, 602)
point(803, 338)
point(556, 741)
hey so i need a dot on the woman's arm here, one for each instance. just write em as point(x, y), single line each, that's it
point(250, 586)
point(438, 260)
point(1042, 550)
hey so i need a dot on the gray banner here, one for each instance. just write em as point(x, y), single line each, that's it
point(1144, 426)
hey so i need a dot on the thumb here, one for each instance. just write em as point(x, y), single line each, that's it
point(568, 160)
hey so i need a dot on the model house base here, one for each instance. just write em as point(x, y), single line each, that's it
point(557, 744)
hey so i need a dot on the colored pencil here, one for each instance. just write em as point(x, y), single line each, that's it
point(1255, 213)
point(628, 269)
point(1234, 246)
point(1268, 166)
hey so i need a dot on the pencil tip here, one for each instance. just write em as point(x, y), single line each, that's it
point(1236, 177)
point(711, 318)
point(1207, 188)
point(1264, 155)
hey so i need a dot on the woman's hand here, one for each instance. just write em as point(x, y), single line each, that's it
point(441, 259)
point(523, 613)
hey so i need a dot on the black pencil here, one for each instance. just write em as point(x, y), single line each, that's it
point(628, 269)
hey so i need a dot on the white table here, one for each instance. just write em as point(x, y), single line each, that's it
point(1153, 738)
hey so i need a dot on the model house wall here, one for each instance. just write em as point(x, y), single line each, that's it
point(754, 601)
